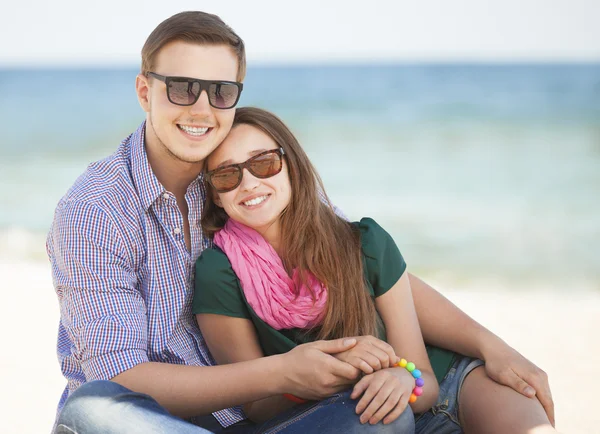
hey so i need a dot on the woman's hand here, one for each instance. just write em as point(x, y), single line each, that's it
point(369, 355)
point(506, 366)
point(385, 395)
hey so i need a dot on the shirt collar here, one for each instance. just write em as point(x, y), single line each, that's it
point(146, 183)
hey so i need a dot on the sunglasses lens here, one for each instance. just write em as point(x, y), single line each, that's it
point(225, 179)
point(183, 91)
point(264, 166)
point(223, 95)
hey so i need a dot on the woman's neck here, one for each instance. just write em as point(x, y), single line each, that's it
point(272, 235)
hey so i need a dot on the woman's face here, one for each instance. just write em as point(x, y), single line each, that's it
point(256, 203)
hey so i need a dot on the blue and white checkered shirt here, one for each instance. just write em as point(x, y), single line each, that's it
point(123, 274)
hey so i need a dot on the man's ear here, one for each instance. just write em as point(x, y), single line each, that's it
point(142, 88)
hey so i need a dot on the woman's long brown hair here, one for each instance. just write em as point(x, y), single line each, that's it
point(313, 237)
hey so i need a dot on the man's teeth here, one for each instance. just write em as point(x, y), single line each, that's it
point(255, 201)
point(194, 131)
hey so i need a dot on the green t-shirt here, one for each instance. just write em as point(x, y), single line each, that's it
point(218, 291)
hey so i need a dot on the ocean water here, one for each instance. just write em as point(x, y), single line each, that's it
point(480, 172)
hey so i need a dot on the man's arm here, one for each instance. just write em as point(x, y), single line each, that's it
point(308, 370)
point(446, 326)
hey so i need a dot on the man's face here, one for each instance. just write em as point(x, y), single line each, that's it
point(186, 133)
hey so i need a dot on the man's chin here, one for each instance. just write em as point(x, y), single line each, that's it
point(189, 157)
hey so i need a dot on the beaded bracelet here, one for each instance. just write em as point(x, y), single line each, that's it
point(419, 383)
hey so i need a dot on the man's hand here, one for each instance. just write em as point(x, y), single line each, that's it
point(369, 355)
point(385, 395)
point(506, 366)
point(311, 372)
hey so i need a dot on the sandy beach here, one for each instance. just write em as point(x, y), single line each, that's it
point(557, 331)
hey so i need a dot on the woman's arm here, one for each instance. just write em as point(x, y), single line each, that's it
point(446, 326)
point(399, 316)
point(232, 340)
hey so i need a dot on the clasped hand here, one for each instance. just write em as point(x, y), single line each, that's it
point(385, 389)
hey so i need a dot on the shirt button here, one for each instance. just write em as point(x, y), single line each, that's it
point(166, 196)
point(177, 231)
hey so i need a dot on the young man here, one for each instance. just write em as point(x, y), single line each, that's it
point(122, 247)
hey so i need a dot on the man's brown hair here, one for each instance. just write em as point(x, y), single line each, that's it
point(313, 237)
point(197, 28)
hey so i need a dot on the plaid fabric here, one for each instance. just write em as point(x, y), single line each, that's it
point(122, 272)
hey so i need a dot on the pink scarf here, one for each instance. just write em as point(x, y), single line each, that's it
point(272, 294)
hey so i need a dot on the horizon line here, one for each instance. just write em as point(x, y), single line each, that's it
point(321, 63)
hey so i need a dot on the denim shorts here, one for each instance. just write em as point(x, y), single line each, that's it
point(443, 416)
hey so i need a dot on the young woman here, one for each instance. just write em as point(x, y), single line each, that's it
point(286, 270)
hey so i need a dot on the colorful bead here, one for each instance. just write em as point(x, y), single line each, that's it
point(419, 382)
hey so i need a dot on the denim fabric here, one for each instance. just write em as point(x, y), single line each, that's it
point(443, 416)
point(106, 407)
point(332, 415)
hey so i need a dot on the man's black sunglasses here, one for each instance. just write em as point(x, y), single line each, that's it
point(186, 91)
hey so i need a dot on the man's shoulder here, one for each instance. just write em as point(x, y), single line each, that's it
point(105, 179)
point(105, 185)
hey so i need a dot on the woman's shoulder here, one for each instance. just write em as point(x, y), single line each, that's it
point(216, 287)
point(382, 259)
point(213, 264)
point(213, 256)
point(373, 237)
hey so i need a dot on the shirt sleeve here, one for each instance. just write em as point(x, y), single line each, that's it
point(384, 264)
point(336, 210)
point(101, 309)
point(216, 288)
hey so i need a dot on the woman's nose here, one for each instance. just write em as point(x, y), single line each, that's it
point(249, 181)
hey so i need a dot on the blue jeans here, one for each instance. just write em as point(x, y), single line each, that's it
point(443, 416)
point(106, 407)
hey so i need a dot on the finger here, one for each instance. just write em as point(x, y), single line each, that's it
point(544, 395)
point(520, 385)
point(532, 388)
point(397, 411)
point(383, 358)
point(373, 361)
point(548, 404)
point(387, 348)
point(367, 397)
point(362, 365)
point(376, 403)
point(335, 346)
point(343, 371)
point(389, 404)
point(360, 387)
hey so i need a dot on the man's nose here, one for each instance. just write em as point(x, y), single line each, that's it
point(202, 106)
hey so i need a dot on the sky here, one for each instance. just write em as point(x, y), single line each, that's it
point(112, 32)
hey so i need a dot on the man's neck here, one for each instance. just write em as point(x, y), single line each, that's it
point(175, 175)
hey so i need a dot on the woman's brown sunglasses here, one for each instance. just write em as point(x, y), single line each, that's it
point(263, 165)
